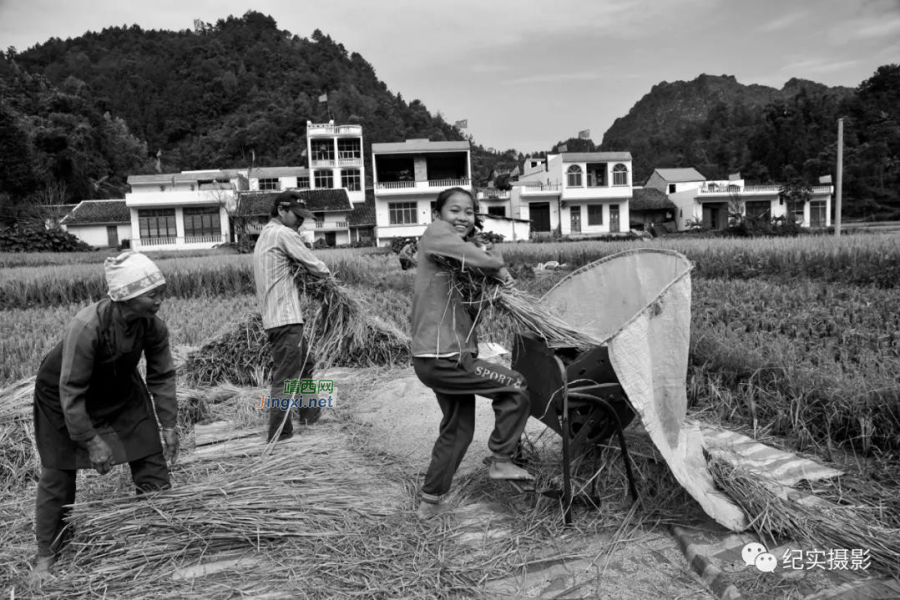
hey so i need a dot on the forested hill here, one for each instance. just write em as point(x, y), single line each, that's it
point(206, 98)
point(701, 122)
point(720, 126)
point(78, 116)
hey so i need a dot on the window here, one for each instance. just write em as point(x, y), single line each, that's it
point(269, 183)
point(595, 214)
point(596, 175)
point(759, 210)
point(202, 221)
point(324, 180)
point(303, 183)
point(350, 180)
point(402, 213)
point(499, 211)
point(620, 174)
point(573, 176)
point(322, 150)
point(671, 188)
point(157, 223)
point(349, 149)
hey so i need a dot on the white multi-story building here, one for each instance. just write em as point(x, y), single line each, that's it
point(579, 194)
point(195, 209)
point(408, 176)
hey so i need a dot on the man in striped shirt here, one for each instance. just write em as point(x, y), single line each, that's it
point(278, 248)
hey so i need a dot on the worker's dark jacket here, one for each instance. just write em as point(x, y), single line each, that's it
point(441, 324)
point(89, 385)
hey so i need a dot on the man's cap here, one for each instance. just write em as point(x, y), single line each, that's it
point(293, 201)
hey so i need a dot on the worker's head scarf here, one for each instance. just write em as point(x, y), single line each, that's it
point(131, 274)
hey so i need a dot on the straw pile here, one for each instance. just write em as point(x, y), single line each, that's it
point(18, 458)
point(481, 293)
point(341, 331)
point(822, 525)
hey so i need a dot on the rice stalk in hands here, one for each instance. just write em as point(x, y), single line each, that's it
point(480, 292)
point(343, 330)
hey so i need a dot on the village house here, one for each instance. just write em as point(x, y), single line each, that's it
point(710, 202)
point(496, 211)
point(408, 176)
point(579, 194)
point(196, 209)
point(651, 210)
point(100, 223)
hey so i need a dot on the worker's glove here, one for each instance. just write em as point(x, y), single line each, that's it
point(170, 444)
point(100, 454)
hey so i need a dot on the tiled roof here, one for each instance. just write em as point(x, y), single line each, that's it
point(580, 157)
point(363, 214)
point(98, 212)
point(680, 175)
point(260, 203)
point(419, 146)
point(649, 199)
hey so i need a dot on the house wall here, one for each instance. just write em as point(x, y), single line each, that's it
point(284, 183)
point(180, 242)
point(512, 231)
point(588, 230)
point(685, 207)
point(385, 232)
point(96, 235)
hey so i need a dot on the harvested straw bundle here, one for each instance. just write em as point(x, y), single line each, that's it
point(823, 525)
point(344, 331)
point(481, 292)
point(341, 331)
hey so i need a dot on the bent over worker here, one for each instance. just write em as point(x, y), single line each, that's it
point(91, 407)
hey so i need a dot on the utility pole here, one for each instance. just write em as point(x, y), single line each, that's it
point(840, 173)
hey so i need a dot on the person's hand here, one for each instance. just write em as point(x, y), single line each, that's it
point(506, 279)
point(100, 455)
point(170, 445)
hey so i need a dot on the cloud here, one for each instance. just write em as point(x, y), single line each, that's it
point(488, 68)
point(782, 22)
point(818, 65)
point(555, 78)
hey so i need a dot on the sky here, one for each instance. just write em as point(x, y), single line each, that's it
point(528, 74)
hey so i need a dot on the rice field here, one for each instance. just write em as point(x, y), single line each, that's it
point(795, 341)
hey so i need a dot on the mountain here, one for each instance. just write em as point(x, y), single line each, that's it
point(710, 123)
point(78, 116)
point(201, 98)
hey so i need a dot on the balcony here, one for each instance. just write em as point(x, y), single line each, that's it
point(350, 162)
point(493, 194)
point(178, 243)
point(540, 189)
point(412, 187)
point(323, 162)
point(328, 129)
point(331, 225)
point(755, 189)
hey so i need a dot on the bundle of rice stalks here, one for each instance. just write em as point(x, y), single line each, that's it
point(344, 331)
point(19, 463)
point(480, 293)
point(341, 331)
point(822, 524)
point(16, 399)
point(18, 457)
